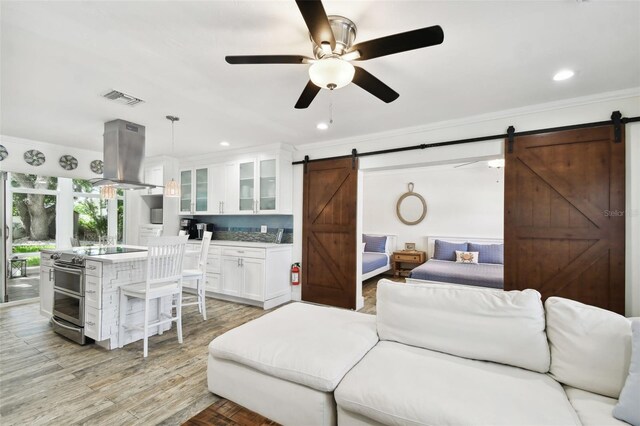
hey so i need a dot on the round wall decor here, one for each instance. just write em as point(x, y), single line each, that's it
point(3, 152)
point(68, 162)
point(96, 166)
point(33, 157)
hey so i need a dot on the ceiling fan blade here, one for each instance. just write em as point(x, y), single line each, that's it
point(397, 43)
point(316, 19)
point(267, 59)
point(374, 86)
point(308, 95)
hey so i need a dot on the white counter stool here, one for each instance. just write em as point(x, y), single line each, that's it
point(164, 278)
point(199, 275)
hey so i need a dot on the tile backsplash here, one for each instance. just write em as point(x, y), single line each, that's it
point(247, 227)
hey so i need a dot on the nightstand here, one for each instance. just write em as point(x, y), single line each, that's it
point(407, 257)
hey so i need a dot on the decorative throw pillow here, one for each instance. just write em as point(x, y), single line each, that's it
point(374, 244)
point(488, 253)
point(466, 256)
point(628, 407)
point(444, 250)
point(363, 246)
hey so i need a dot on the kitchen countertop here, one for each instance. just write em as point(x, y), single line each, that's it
point(249, 244)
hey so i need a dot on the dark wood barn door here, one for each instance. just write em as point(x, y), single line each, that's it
point(329, 233)
point(564, 216)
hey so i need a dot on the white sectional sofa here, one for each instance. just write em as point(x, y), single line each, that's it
point(435, 355)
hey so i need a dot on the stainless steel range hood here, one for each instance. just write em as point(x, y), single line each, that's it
point(123, 155)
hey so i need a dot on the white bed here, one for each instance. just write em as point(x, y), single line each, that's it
point(489, 272)
point(389, 249)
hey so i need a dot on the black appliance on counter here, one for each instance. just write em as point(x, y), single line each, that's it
point(189, 225)
point(201, 227)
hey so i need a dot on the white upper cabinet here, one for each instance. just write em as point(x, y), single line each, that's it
point(154, 175)
point(194, 191)
point(260, 184)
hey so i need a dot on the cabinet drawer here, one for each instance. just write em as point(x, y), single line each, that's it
point(93, 291)
point(92, 323)
point(244, 252)
point(93, 268)
point(406, 257)
point(214, 250)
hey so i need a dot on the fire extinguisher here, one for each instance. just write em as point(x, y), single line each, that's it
point(295, 274)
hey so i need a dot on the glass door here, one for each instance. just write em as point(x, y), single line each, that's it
point(185, 191)
point(247, 183)
point(202, 190)
point(268, 184)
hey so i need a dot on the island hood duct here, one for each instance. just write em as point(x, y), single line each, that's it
point(123, 155)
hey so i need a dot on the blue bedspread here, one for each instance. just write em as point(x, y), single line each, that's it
point(478, 274)
point(371, 261)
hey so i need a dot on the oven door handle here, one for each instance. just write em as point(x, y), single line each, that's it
point(53, 319)
point(67, 292)
point(75, 271)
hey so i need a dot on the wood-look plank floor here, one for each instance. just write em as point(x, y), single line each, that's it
point(46, 379)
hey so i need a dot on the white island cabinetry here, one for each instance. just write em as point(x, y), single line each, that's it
point(247, 272)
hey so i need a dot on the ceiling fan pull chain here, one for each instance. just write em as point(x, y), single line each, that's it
point(330, 107)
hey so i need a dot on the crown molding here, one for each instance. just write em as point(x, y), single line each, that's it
point(475, 119)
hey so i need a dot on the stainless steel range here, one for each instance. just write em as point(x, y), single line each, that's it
point(69, 289)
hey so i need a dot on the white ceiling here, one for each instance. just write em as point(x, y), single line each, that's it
point(59, 57)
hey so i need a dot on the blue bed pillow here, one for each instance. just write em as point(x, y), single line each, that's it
point(374, 244)
point(444, 250)
point(489, 253)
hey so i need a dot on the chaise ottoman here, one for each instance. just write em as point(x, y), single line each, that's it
point(286, 364)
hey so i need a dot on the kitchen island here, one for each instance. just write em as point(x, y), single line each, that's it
point(243, 272)
point(102, 276)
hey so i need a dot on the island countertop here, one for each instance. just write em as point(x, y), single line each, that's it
point(142, 255)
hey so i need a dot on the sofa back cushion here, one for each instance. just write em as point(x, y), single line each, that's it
point(470, 322)
point(590, 347)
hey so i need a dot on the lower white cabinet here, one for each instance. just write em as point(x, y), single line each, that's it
point(46, 285)
point(254, 273)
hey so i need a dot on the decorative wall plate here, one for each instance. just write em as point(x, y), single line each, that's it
point(96, 166)
point(3, 152)
point(68, 162)
point(33, 157)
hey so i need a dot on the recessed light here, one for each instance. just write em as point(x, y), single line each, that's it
point(563, 75)
point(225, 143)
point(322, 126)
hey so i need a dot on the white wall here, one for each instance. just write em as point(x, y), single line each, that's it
point(15, 161)
point(463, 202)
point(572, 111)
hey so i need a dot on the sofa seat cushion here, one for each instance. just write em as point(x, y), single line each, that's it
point(307, 344)
point(593, 409)
point(400, 384)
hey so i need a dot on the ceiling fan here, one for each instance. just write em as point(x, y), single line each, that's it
point(332, 38)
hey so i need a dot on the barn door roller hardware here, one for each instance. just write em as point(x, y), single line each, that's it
point(354, 155)
point(616, 119)
point(511, 131)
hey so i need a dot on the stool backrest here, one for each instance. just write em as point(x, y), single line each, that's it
point(204, 251)
point(164, 259)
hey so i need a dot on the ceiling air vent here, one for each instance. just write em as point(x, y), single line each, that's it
point(122, 98)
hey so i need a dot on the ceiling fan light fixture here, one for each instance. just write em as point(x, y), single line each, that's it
point(331, 73)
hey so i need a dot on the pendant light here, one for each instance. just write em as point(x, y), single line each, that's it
point(107, 192)
point(171, 189)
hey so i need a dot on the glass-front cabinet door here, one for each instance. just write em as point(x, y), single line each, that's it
point(268, 185)
point(247, 186)
point(185, 191)
point(201, 190)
